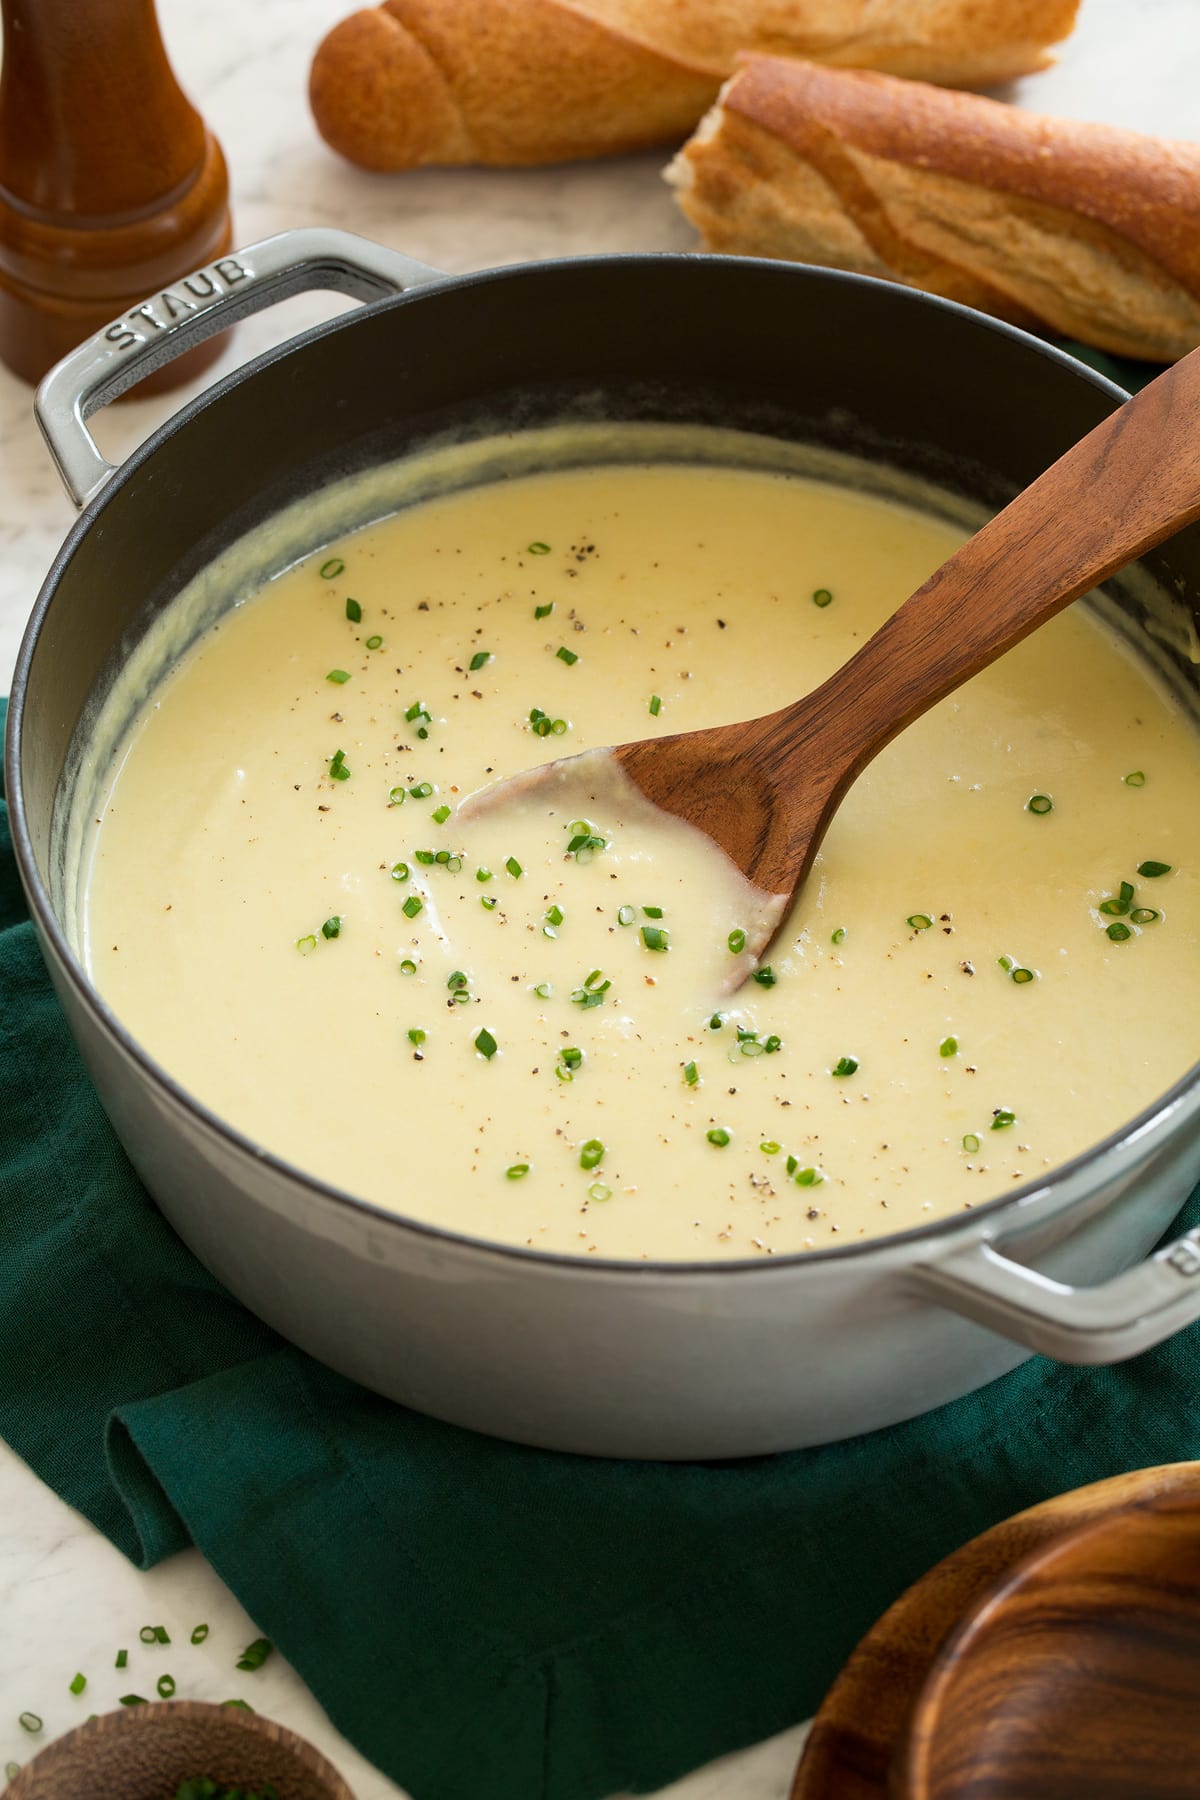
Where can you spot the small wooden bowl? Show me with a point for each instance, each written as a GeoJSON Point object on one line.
{"type": "Point", "coordinates": [856, 1748]}
{"type": "Point", "coordinates": [1079, 1674]}
{"type": "Point", "coordinates": [144, 1752]}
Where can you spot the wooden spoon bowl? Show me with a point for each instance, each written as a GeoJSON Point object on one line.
{"type": "Point", "coordinates": [1077, 1677]}
{"type": "Point", "coordinates": [144, 1752]}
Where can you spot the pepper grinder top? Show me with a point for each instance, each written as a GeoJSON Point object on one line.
{"type": "Point", "coordinates": [111, 185]}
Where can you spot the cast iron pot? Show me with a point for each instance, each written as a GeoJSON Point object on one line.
{"type": "Point", "coordinates": [617, 1359]}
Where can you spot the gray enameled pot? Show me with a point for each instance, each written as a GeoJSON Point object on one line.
{"type": "Point", "coordinates": [615, 1359]}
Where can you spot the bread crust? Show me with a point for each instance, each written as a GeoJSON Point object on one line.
{"type": "Point", "coordinates": [414, 82]}
{"type": "Point", "coordinates": [1083, 228]}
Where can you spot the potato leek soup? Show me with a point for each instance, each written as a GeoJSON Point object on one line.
{"type": "Point", "coordinates": [516, 1025]}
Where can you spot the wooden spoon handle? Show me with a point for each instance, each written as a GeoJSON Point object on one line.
{"type": "Point", "coordinates": [1129, 484]}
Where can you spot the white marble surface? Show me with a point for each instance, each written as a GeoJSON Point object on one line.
{"type": "Point", "coordinates": [67, 1599]}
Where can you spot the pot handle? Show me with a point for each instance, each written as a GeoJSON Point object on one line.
{"type": "Point", "coordinates": [1105, 1324]}
{"type": "Point", "coordinates": [194, 308]}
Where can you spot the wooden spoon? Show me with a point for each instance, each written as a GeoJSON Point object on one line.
{"type": "Point", "coordinates": [766, 789]}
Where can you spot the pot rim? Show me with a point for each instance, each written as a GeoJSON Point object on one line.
{"type": "Point", "coordinates": [1155, 1121]}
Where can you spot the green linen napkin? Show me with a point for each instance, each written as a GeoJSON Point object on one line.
{"type": "Point", "coordinates": [478, 1618]}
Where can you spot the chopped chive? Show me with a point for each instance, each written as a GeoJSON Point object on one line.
{"type": "Point", "coordinates": [337, 766]}
{"type": "Point", "coordinates": [544, 991]}
{"type": "Point", "coordinates": [822, 597]}
{"type": "Point", "coordinates": [565, 655]}
{"type": "Point", "coordinates": [771, 1044]}
{"type": "Point", "coordinates": [329, 571]}
{"type": "Point", "coordinates": [516, 1171]}
{"type": "Point", "coordinates": [133, 1700]}
{"type": "Point", "coordinates": [440, 814]}
{"type": "Point", "coordinates": [1116, 908]}
{"type": "Point", "coordinates": [426, 857]}
{"type": "Point", "coordinates": [122, 1659]}
{"type": "Point", "coordinates": [1135, 778]}
{"type": "Point", "coordinates": [626, 915]}
{"type": "Point", "coordinates": [416, 1036]}
{"type": "Point", "coordinates": [919, 921]}
{"type": "Point", "coordinates": [408, 966]}
{"type": "Point", "coordinates": [765, 976]}
{"type": "Point", "coordinates": [839, 936]}
{"type": "Point", "coordinates": [970, 1143]}
{"type": "Point", "coordinates": [412, 906]}
{"type": "Point", "coordinates": [543, 612]}
{"type": "Point", "coordinates": [354, 612]}
{"type": "Point", "coordinates": [808, 1178]}
{"type": "Point", "coordinates": [488, 902]}
{"type": "Point", "coordinates": [456, 982]}
{"type": "Point", "coordinates": [483, 873]}
{"type": "Point", "coordinates": [1151, 870]}
{"type": "Point", "coordinates": [1119, 933]}
{"type": "Point", "coordinates": [514, 868]}
{"type": "Point", "coordinates": [1040, 803]}
{"type": "Point", "coordinates": [166, 1686]}
{"type": "Point", "coordinates": [1006, 963]}
{"type": "Point", "coordinates": [29, 1721]}
{"type": "Point", "coordinates": [148, 1634]}
{"type": "Point", "coordinates": [199, 1634]}
{"type": "Point", "coordinates": [160, 1635]}
{"type": "Point", "coordinates": [1002, 1117]}
{"type": "Point", "coordinates": [242, 1705]}
{"type": "Point", "coordinates": [1144, 915]}
{"type": "Point", "coordinates": [599, 1192]}
{"type": "Point", "coordinates": [736, 941]}
{"type": "Point", "coordinates": [375, 642]}
{"type": "Point", "coordinates": [396, 796]}
{"type": "Point", "coordinates": [716, 1021]}
{"type": "Point", "coordinates": [422, 790]}
{"type": "Point", "coordinates": [718, 1136]}
{"type": "Point", "coordinates": [1022, 977]}
{"type": "Point", "coordinates": [691, 1074]}
{"type": "Point", "coordinates": [486, 1044]}
{"type": "Point", "coordinates": [537, 548]}
{"type": "Point", "coordinates": [480, 660]}
{"type": "Point", "coordinates": [948, 1047]}
{"type": "Point", "coordinates": [845, 1065]}
{"type": "Point", "coordinates": [338, 676]}
{"type": "Point", "coordinates": [655, 705]}
{"type": "Point", "coordinates": [750, 1046]}
{"type": "Point", "coordinates": [559, 727]}
{"type": "Point", "coordinates": [306, 945]}
{"type": "Point", "coordinates": [655, 938]}
{"type": "Point", "coordinates": [769, 1147]}
{"type": "Point", "coordinates": [793, 1164]}
{"type": "Point", "coordinates": [591, 1154]}
{"type": "Point", "coordinates": [332, 927]}
{"type": "Point", "coordinates": [400, 871]}
{"type": "Point", "coordinates": [78, 1684]}
{"type": "Point", "coordinates": [571, 1057]}
{"type": "Point", "coordinates": [554, 915]}
{"type": "Point", "coordinates": [653, 912]}
{"type": "Point", "coordinates": [255, 1654]}
{"type": "Point", "coordinates": [416, 711]}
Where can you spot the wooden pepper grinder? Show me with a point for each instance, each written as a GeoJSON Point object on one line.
{"type": "Point", "coordinates": [111, 186]}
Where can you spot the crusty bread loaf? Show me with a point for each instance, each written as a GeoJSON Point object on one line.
{"type": "Point", "coordinates": [532, 81]}
{"type": "Point", "coordinates": [1082, 228]}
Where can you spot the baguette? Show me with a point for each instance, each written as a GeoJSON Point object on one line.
{"type": "Point", "coordinates": [533, 81]}
{"type": "Point", "coordinates": [1082, 229]}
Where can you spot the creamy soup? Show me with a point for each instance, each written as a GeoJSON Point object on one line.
{"type": "Point", "coordinates": [516, 1025]}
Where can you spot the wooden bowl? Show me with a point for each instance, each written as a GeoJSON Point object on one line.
{"type": "Point", "coordinates": [144, 1752]}
{"type": "Point", "coordinates": [1078, 1675]}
